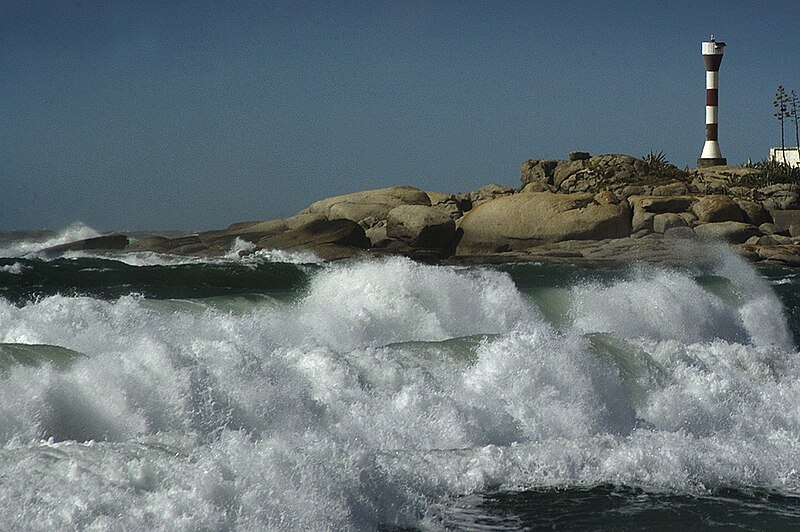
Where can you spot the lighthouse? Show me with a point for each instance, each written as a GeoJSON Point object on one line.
{"type": "Point", "coordinates": [712, 57]}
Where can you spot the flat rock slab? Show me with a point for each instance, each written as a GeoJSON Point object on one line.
{"type": "Point", "coordinates": [116, 241]}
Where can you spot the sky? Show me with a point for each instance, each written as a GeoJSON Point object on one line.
{"type": "Point", "coordinates": [146, 115]}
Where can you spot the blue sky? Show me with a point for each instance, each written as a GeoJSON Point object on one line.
{"type": "Point", "coordinates": [194, 115]}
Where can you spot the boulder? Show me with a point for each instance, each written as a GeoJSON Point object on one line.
{"type": "Point", "coordinates": [717, 208]}
{"type": "Point", "coordinates": [524, 220]}
{"type": "Point", "coordinates": [489, 192]}
{"type": "Point", "coordinates": [579, 155]}
{"type": "Point", "coordinates": [623, 174]}
{"type": "Point", "coordinates": [446, 202]}
{"type": "Point", "coordinates": [667, 220]}
{"type": "Point", "coordinates": [328, 239]}
{"type": "Point", "coordinates": [111, 242]}
{"type": "Point", "coordinates": [680, 233]}
{"type": "Point", "coordinates": [377, 235]}
{"type": "Point", "coordinates": [659, 204]}
{"type": "Point", "coordinates": [762, 241]}
{"type": "Point", "coordinates": [778, 197]}
{"type": "Point", "coordinates": [642, 221]}
{"type": "Point", "coordinates": [733, 232]}
{"type": "Point", "coordinates": [376, 203]}
{"type": "Point", "coordinates": [754, 212]}
{"type": "Point", "coordinates": [645, 209]}
{"type": "Point", "coordinates": [421, 226]}
{"type": "Point", "coordinates": [537, 171]}
{"type": "Point", "coordinates": [677, 188]}
{"type": "Point", "coordinates": [771, 229]}
{"type": "Point", "coordinates": [786, 219]}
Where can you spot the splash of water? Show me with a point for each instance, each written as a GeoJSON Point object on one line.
{"type": "Point", "coordinates": [351, 407]}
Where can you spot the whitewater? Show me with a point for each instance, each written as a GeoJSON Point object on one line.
{"type": "Point", "coordinates": [272, 391]}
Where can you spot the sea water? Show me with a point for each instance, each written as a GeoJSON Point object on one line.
{"type": "Point", "coordinates": [272, 391]}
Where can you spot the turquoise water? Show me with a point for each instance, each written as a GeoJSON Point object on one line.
{"type": "Point", "coordinates": [273, 391]}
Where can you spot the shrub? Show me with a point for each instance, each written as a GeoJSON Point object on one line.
{"type": "Point", "coordinates": [659, 166]}
{"type": "Point", "coordinates": [770, 173]}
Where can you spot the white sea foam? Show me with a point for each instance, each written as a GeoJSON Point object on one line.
{"type": "Point", "coordinates": [311, 415]}
{"type": "Point", "coordinates": [76, 231]}
{"type": "Point", "coordinates": [667, 304]}
{"type": "Point", "coordinates": [15, 268]}
{"type": "Point", "coordinates": [289, 257]}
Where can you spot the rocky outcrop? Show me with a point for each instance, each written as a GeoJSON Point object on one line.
{"type": "Point", "coordinates": [717, 209]}
{"type": "Point", "coordinates": [524, 220]}
{"type": "Point", "coordinates": [621, 174]}
{"type": "Point", "coordinates": [328, 239]}
{"type": "Point", "coordinates": [422, 227]}
{"type": "Point", "coordinates": [116, 241]}
{"type": "Point", "coordinates": [449, 203]}
{"type": "Point", "coordinates": [488, 192]}
{"type": "Point", "coordinates": [374, 204]}
{"type": "Point", "coordinates": [729, 231]}
{"type": "Point", "coordinates": [588, 207]}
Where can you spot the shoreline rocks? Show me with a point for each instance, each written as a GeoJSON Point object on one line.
{"type": "Point", "coordinates": [608, 207]}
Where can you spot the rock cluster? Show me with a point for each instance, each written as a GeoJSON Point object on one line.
{"type": "Point", "coordinates": [607, 207]}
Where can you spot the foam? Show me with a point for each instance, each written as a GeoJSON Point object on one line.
{"type": "Point", "coordinates": [76, 231]}
{"type": "Point", "coordinates": [14, 269]}
{"type": "Point", "coordinates": [308, 414]}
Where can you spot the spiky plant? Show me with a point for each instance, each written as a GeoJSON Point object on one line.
{"type": "Point", "coordinates": [770, 173]}
{"type": "Point", "coordinates": [781, 103]}
{"type": "Point", "coordinates": [793, 101]}
{"type": "Point", "coordinates": [659, 166]}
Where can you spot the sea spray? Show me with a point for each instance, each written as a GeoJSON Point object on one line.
{"type": "Point", "coordinates": [379, 393]}
{"type": "Point", "coordinates": [27, 247]}
{"type": "Point", "coordinates": [380, 302]}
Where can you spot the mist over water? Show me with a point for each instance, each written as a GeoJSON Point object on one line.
{"type": "Point", "coordinates": [357, 395]}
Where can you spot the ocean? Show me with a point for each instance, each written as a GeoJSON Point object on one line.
{"type": "Point", "coordinates": [272, 391]}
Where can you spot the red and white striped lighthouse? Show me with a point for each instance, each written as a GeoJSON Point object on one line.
{"type": "Point", "coordinates": [712, 57]}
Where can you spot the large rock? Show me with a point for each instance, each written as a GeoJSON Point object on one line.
{"type": "Point", "coordinates": [368, 203]}
{"type": "Point", "coordinates": [754, 212]}
{"type": "Point", "coordinates": [111, 242]}
{"type": "Point", "coordinates": [718, 209]}
{"type": "Point", "coordinates": [733, 232]}
{"type": "Point", "coordinates": [583, 173]}
{"type": "Point", "coordinates": [421, 226]}
{"type": "Point", "coordinates": [538, 171]}
{"type": "Point", "coordinates": [255, 231]}
{"type": "Point", "coordinates": [788, 220]}
{"type": "Point", "coordinates": [524, 220]}
{"type": "Point", "coordinates": [446, 202]}
{"type": "Point", "coordinates": [646, 208]}
{"type": "Point", "coordinates": [661, 204]}
{"type": "Point", "coordinates": [328, 239]}
{"type": "Point", "coordinates": [489, 192]}
{"type": "Point", "coordinates": [666, 221]}
{"type": "Point", "coordinates": [782, 196]}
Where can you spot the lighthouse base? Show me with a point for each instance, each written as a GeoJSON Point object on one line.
{"type": "Point", "coordinates": [703, 162]}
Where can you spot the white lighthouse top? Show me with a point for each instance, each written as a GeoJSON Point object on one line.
{"type": "Point", "coordinates": [713, 47]}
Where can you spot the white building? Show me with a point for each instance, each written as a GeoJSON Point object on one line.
{"type": "Point", "coordinates": [792, 155]}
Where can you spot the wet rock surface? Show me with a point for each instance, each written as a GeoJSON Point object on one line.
{"type": "Point", "coordinates": [606, 208]}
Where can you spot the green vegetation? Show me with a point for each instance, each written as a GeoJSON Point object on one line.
{"type": "Point", "coordinates": [781, 104]}
{"type": "Point", "coordinates": [793, 101]}
{"type": "Point", "coordinates": [658, 166]}
{"type": "Point", "coordinates": [773, 172]}
{"type": "Point", "coordinates": [770, 173]}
